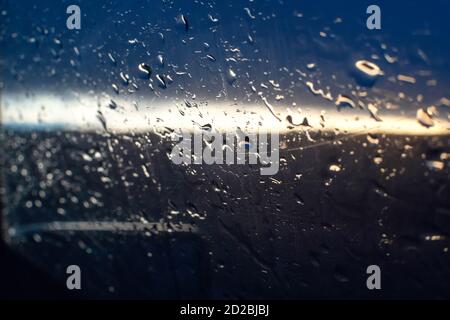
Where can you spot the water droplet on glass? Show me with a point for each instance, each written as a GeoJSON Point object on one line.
{"type": "Point", "coordinates": [102, 119]}
{"type": "Point", "coordinates": [210, 58]}
{"type": "Point", "coordinates": [115, 88]}
{"type": "Point", "coordinates": [340, 276]}
{"type": "Point", "coordinates": [160, 59]}
{"type": "Point", "coordinates": [377, 160]}
{"type": "Point", "coordinates": [372, 139]}
{"type": "Point", "coordinates": [161, 81]}
{"type": "Point", "coordinates": [424, 118]}
{"type": "Point", "coordinates": [368, 68]}
{"type": "Point", "coordinates": [110, 56]}
{"type": "Point", "coordinates": [206, 127]}
{"type": "Point", "coordinates": [335, 168]}
{"type": "Point", "coordinates": [125, 78]}
{"type": "Point", "coordinates": [366, 73]}
{"type": "Point", "coordinates": [190, 104]}
{"type": "Point", "coordinates": [212, 19]}
{"type": "Point", "coordinates": [112, 105]}
{"type": "Point", "coordinates": [249, 13]}
{"type": "Point", "coordinates": [269, 106]}
{"type": "Point", "coordinates": [373, 111]}
{"type": "Point", "coordinates": [435, 165]}
{"type": "Point", "coordinates": [146, 69]}
{"type": "Point", "coordinates": [344, 101]}
{"type": "Point", "coordinates": [231, 76]}
{"type": "Point", "coordinates": [185, 22]}
{"type": "Point", "coordinates": [318, 92]}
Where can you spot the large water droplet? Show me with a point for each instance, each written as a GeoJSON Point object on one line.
{"type": "Point", "coordinates": [373, 111]}
{"type": "Point", "coordinates": [366, 73]}
{"type": "Point", "coordinates": [368, 68]}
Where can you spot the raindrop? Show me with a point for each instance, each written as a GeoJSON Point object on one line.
{"type": "Point", "coordinates": [317, 92]}
{"type": "Point", "coordinates": [290, 119]}
{"type": "Point", "coordinates": [185, 22]}
{"type": "Point", "coordinates": [377, 160]}
{"type": "Point", "coordinates": [424, 118]}
{"type": "Point", "coordinates": [210, 57]}
{"type": "Point", "coordinates": [86, 157]}
{"type": "Point", "coordinates": [125, 78]}
{"type": "Point", "coordinates": [269, 106]}
{"type": "Point", "coordinates": [231, 76]}
{"type": "Point", "coordinates": [407, 79]}
{"type": "Point", "coordinates": [374, 112]}
{"type": "Point", "coordinates": [160, 59]}
{"type": "Point", "coordinates": [340, 276]}
{"type": "Point", "coordinates": [249, 14]}
{"type": "Point", "coordinates": [366, 73]}
{"type": "Point", "coordinates": [274, 83]}
{"type": "Point", "coordinates": [102, 119]}
{"type": "Point", "coordinates": [368, 68]}
{"type": "Point", "coordinates": [146, 173]}
{"type": "Point", "coordinates": [212, 19]}
{"type": "Point", "coordinates": [111, 58]}
{"type": "Point", "coordinates": [37, 238]}
{"type": "Point", "coordinates": [145, 68]}
{"type": "Point", "coordinates": [206, 127]}
{"type": "Point", "coordinates": [299, 199]}
{"type": "Point", "coordinates": [112, 105]}
{"type": "Point", "coordinates": [335, 168]}
{"type": "Point", "coordinates": [115, 88]}
{"type": "Point", "coordinates": [190, 104]}
{"type": "Point", "coordinates": [344, 101]}
{"type": "Point", "coordinates": [435, 165]}
{"type": "Point", "coordinates": [432, 111]}
{"type": "Point", "coordinates": [161, 81]}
